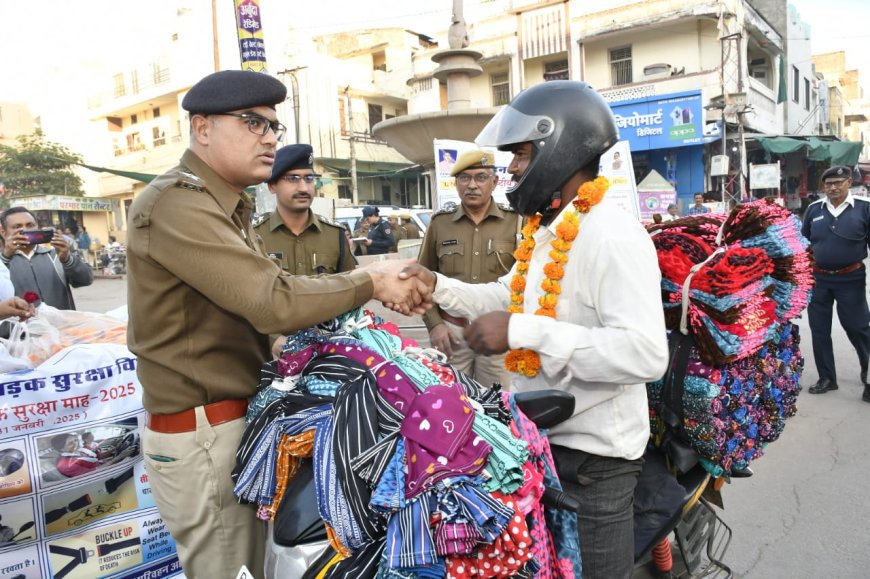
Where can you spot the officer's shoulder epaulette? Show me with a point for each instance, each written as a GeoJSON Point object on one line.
{"type": "Point", "coordinates": [446, 210]}
{"type": "Point", "coordinates": [859, 198]}
{"type": "Point", "coordinates": [506, 207]}
{"type": "Point", "coordinates": [328, 221]}
{"type": "Point", "coordinates": [261, 219]}
{"type": "Point", "coordinates": [816, 202]}
{"type": "Point", "coordinates": [187, 180]}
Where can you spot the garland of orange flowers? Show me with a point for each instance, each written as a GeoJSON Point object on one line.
{"type": "Point", "coordinates": [524, 361]}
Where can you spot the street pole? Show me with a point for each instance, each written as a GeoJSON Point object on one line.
{"type": "Point", "coordinates": [351, 142]}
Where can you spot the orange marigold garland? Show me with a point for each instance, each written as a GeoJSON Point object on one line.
{"type": "Point", "coordinates": [524, 361]}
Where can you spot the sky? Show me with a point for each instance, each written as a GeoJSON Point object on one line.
{"type": "Point", "coordinates": [53, 50]}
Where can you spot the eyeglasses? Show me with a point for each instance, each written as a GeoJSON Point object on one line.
{"type": "Point", "coordinates": [296, 179]}
{"type": "Point", "coordinates": [258, 124]}
{"type": "Point", "coordinates": [479, 178]}
{"type": "Point", "coordinates": [836, 183]}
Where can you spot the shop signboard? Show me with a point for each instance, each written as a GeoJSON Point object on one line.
{"type": "Point", "coordinates": [64, 203]}
{"type": "Point", "coordinates": [661, 122]}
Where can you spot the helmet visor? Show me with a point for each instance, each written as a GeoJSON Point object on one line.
{"type": "Point", "coordinates": [509, 127]}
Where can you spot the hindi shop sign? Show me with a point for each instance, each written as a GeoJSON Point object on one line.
{"type": "Point", "coordinates": [63, 203]}
{"type": "Point", "coordinates": [252, 48]}
{"type": "Point", "coordinates": [661, 122]}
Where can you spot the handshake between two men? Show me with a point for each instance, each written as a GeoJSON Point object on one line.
{"type": "Point", "coordinates": [406, 287]}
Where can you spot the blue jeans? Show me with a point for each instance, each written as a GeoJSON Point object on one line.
{"type": "Point", "coordinates": [604, 486]}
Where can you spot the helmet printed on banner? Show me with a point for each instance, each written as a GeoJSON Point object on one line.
{"type": "Point", "coordinates": [568, 125]}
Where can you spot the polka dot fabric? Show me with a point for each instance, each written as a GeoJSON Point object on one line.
{"type": "Point", "coordinates": [504, 557]}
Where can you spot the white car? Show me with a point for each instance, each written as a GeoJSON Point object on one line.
{"type": "Point", "coordinates": [350, 216]}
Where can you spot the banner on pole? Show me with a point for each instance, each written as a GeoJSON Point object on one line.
{"type": "Point", "coordinates": [252, 49]}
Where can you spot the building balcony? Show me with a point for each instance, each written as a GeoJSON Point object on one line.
{"type": "Point", "coordinates": [131, 90]}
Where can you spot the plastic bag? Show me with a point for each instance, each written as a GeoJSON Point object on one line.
{"type": "Point", "coordinates": [9, 363]}
{"type": "Point", "coordinates": [51, 330]}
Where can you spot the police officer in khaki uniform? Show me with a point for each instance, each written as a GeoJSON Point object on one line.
{"type": "Point", "coordinates": [303, 242]}
{"type": "Point", "coordinates": [473, 242]}
{"type": "Point", "coordinates": [203, 297]}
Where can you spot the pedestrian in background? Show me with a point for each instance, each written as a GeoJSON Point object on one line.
{"type": "Point", "coordinates": [838, 227]}
{"type": "Point", "coordinates": [473, 242]}
{"type": "Point", "coordinates": [50, 272]}
{"type": "Point", "coordinates": [203, 297]}
{"type": "Point", "coordinates": [698, 208]}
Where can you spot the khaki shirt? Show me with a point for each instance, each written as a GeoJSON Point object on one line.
{"type": "Point", "coordinates": [202, 294]}
{"type": "Point", "coordinates": [314, 251]}
{"type": "Point", "coordinates": [474, 253]}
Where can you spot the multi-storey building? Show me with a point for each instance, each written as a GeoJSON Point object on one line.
{"type": "Point", "coordinates": [711, 59]}
{"type": "Point", "coordinates": [849, 114]}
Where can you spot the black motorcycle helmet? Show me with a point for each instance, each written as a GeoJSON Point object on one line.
{"type": "Point", "coordinates": [568, 125]}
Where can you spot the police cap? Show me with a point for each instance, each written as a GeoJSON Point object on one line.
{"type": "Point", "coordinates": [838, 172]}
{"type": "Point", "coordinates": [233, 90]}
{"type": "Point", "coordinates": [370, 210]}
{"type": "Point", "coordinates": [473, 159]}
{"type": "Point", "coordinates": [291, 157]}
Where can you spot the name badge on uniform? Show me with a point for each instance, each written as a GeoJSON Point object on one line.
{"type": "Point", "coordinates": [820, 217]}
{"type": "Point", "coordinates": [275, 254]}
{"type": "Point", "coordinates": [450, 242]}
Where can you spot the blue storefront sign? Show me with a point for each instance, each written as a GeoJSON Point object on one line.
{"type": "Point", "coordinates": [661, 122]}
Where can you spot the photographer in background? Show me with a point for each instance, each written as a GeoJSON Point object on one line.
{"type": "Point", "coordinates": [50, 272]}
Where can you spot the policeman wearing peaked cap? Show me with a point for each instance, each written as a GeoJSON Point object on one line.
{"type": "Point", "coordinates": [303, 242]}
{"type": "Point", "coordinates": [203, 299]}
{"type": "Point", "coordinates": [473, 242]}
{"type": "Point", "coordinates": [838, 228]}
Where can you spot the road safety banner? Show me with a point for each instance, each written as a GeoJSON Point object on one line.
{"type": "Point", "coordinates": [252, 48]}
{"type": "Point", "coordinates": [74, 495]}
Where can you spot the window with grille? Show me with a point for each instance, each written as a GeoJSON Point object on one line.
{"type": "Point", "coordinates": [557, 70]}
{"type": "Point", "coordinates": [501, 89]}
{"type": "Point", "coordinates": [620, 66]}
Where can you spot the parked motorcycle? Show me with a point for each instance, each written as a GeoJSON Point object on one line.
{"type": "Point", "coordinates": [298, 545]}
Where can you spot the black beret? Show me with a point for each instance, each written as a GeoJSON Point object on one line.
{"type": "Point", "coordinates": [233, 90]}
{"type": "Point", "coordinates": [292, 157]}
{"type": "Point", "coordinates": [370, 210]}
{"type": "Point", "coordinates": [837, 171]}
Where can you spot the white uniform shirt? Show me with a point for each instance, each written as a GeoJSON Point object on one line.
{"type": "Point", "coordinates": [609, 336]}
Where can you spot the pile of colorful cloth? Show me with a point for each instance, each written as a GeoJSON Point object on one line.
{"type": "Point", "coordinates": [419, 471]}
{"type": "Point", "coordinates": [730, 284]}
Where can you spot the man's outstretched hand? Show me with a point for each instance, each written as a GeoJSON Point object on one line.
{"type": "Point", "coordinates": [401, 285]}
{"type": "Point", "coordinates": [488, 334]}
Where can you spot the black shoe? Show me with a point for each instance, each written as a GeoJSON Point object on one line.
{"type": "Point", "coordinates": [866, 396]}
{"type": "Point", "coordinates": [822, 386]}
{"type": "Point", "coordinates": [744, 472]}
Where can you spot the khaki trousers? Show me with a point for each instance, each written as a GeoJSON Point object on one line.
{"type": "Point", "coordinates": [484, 369]}
{"type": "Point", "coordinates": [214, 534]}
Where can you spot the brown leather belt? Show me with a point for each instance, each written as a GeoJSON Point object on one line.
{"type": "Point", "coordinates": [461, 322]}
{"type": "Point", "coordinates": [842, 271]}
{"type": "Point", "coordinates": [185, 421]}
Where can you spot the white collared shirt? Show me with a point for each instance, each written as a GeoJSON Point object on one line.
{"type": "Point", "coordinates": [836, 211]}
{"type": "Point", "coordinates": [609, 336]}
{"type": "Point", "coordinates": [7, 290]}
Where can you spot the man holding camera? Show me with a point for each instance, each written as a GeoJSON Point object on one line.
{"type": "Point", "coordinates": [50, 272]}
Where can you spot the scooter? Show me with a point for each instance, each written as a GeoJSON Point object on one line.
{"type": "Point", "coordinates": [298, 545]}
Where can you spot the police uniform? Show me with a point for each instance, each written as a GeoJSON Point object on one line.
{"type": "Point", "coordinates": [202, 296]}
{"type": "Point", "coordinates": [381, 233]}
{"type": "Point", "coordinates": [322, 246]}
{"type": "Point", "coordinates": [457, 247]}
{"type": "Point", "coordinates": [839, 239]}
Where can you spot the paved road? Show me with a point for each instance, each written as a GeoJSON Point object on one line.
{"type": "Point", "coordinates": [805, 512]}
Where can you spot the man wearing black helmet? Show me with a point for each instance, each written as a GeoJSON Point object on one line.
{"type": "Point", "coordinates": [581, 311]}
